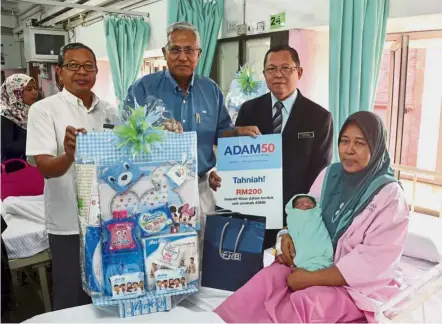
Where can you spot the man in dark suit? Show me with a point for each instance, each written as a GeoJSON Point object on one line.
{"type": "Point", "coordinates": [306, 127]}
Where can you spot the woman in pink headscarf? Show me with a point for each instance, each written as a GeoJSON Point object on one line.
{"type": "Point", "coordinates": [366, 215]}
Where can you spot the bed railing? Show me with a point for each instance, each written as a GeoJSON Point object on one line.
{"type": "Point", "coordinates": [400, 308]}
{"type": "Point", "coordinates": [415, 174]}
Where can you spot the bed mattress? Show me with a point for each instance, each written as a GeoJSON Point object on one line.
{"type": "Point", "coordinates": [412, 269]}
{"type": "Point", "coordinates": [430, 311]}
{"type": "Point", "coordinates": [26, 233]}
{"type": "Point", "coordinates": [91, 314]}
{"type": "Point", "coordinates": [198, 308]}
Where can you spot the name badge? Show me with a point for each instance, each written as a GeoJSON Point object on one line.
{"type": "Point", "coordinates": [304, 135]}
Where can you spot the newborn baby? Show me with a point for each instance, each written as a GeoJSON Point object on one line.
{"type": "Point", "coordinates": [314, 250]}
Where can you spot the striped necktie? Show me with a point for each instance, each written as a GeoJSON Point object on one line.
{"type": "Point", "coordinates": [277, 118]}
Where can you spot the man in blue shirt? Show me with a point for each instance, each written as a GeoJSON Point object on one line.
{"type": "Point", "coordinates": [194, 101]}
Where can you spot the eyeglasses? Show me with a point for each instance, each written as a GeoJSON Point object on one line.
{"type": "Point", "coordinates": [188, 51]}
{"type": "Point", "coordinates": [76, 67]}
{"type": "Point", "coordinates": [285, 70]}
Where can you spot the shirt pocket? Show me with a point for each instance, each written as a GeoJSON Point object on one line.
{"type": "Point", "coordinates": [207, 128]}
{"type": "Point", "coordinates": [305, 141]}
{"type": "Point", "coordinates": [208, 118]}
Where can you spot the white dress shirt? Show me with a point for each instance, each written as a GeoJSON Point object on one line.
{"type": "Point", "coordinates": [46, 129]}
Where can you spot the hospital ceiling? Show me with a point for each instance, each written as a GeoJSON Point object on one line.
{"type": "Point", "coordinates": [60, 16]}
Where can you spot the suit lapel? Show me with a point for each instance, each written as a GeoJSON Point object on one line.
{"type": "Point", "coordinates": [267, 127]}
{"type": "Point", "coordinates": [295, 118]}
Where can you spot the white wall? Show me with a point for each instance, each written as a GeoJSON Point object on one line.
{"type": "Point", "coordinates": [311, 13]}
{"type": "Point", "coordinates": [93, 35]}
{"type": "Point", "coordinates": [8, 21]}
{"type": "Point", "coordinates": [431, 110]}
{"type": "Point", "coordinates": [11, 49]}
{"type": "Point", "coordinates": [410, 8]}
{"type": "Point", "coordinates": [313, 50]}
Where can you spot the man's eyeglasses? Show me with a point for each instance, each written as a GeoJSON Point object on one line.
{"type": "Point", "coordinates": [75, 67]}
{"type": "Point", "coordinates": [189, 51]}
{"type": "Point", "coordinates": [285, 70]}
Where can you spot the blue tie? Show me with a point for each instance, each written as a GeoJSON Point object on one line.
{"type": "Point", "coordinates": [277, 118]}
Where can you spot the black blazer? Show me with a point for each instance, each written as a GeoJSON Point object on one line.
{"type": "Point", "coordinates": [303, 156]}
{"type": "Point", "coordinates": [13, 140]}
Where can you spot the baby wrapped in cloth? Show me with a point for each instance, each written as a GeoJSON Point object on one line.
{"type": "Point", "coordinates": [314, 250]}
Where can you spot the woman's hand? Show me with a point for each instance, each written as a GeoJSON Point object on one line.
{"type": "Point", "coordinates": [172, 125]}
{"type": "Point", "coordinates": [299, 279]}
{"type": "Point", "coordinates": [288, 251]}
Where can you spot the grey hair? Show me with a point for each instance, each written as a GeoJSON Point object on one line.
{"type": "Point", "coordinates": [183, 26]}
{"type": "Point", "coordinates": [73, 46]}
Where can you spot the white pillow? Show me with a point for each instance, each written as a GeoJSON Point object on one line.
{"type": "Point", "coordinates": [424, 239]}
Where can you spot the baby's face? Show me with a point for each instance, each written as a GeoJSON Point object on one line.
{"type": "Point", "coordinates": [304, 203]}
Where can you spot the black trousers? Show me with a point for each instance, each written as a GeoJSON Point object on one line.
{"type": "Point", "coordinates": [66, 273]}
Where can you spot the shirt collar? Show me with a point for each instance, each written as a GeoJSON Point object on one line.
{"type": "Point", "coordinates": [78, 102]}
{"type": "Point", "coordinates": [175, 84]}
{"type": "Point", "coordinates": [287, 102]}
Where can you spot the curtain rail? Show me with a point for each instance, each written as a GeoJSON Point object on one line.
{"type": "Point", "coordinates": [85, 7]}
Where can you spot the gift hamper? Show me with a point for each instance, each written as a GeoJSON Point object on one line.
{"type": "Point", "coordinates": [137, 194]}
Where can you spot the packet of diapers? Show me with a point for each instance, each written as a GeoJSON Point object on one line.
{"type": "Point", "coordinates": [127, 285]}
{"type": "Point", "coordinates": [172, 252]}
{"type": "Point", "coordinates": [124, 275]}
{"type": "Point", "coordinates": [168, 280]}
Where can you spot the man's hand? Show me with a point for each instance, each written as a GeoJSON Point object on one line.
{"type": "Point", "coordinates": [172, 125]}
{"type": "Point", "coordinates": [252, 131]}
{"type": "Point", "coordinates": [288, 251]}
{"type": "Point", "coordinates": [70, 141]}
{"type": "Point", "coordinates": [299, 279]}
{"type": "Point", "coordinates": [214, 180]}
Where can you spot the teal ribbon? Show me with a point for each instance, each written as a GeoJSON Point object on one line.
{"type": "Point", "coordinates": [137, 134]}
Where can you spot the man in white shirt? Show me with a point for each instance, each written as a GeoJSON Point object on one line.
{"type": "Point", "coordinates": [53, 125]}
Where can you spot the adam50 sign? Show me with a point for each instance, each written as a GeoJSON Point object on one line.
{"type": "Point", "coordinates": [249, 149]}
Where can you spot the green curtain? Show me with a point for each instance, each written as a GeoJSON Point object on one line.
{"type": "Point", "coordinates": [126, 41]}
{"type": "Point", "coordinates": [207, 16]}
{"type": "Point", "coordinates": [357, 35]}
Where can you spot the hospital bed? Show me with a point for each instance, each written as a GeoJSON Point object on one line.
{"type": "Point", "coordinates": [27, 242]}
{"type": "Point", "coordinates": [423, 297]}
{"type": "Point", "coordinates": [198, 308]}
{"type": "Point", "coordinates": [421, 302]}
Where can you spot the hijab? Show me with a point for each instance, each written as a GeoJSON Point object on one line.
{"type": "Point", "coordinates": [12, 105]}
{"type": "Point", "coordinates": [345, 195]}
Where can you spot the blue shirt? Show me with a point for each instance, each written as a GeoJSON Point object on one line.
{"type": "Point", "coordinates": [288, 104]}
{"type": "Point", "coordinates": [201, 110]}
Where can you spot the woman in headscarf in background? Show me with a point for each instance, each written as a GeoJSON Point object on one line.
{"type": "Point", "coordinates": [19, 92]}
{"type": "Point", "coordinates": [366, 215]}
